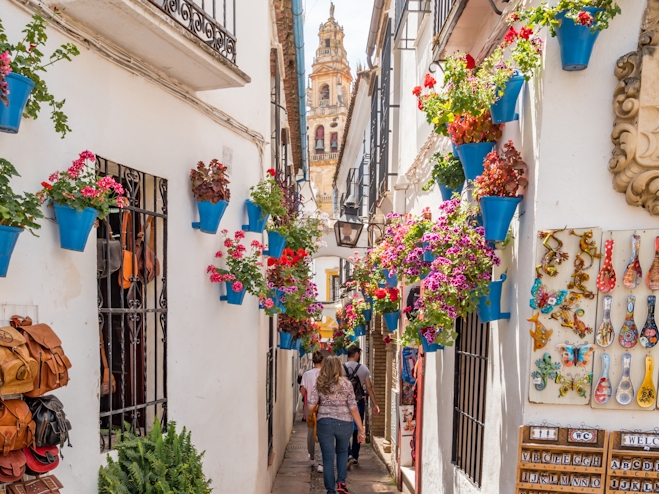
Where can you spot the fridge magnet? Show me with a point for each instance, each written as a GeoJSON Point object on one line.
{"type": "Point", "coordinates": [652, 278]}
{"type": "Point", "coordinates": [540, 334]}
{"type": "Point", "coordinates": [648, 336]}
{"type": "Point", "coordinates": [546, 370]}
{"type": "Point", "coordinates": [568, 314]}
{"type": "Point", "coordinates": [606, 279]}
{"type": "Point", "coordinates": [554, 255]}
{"type": "Point", "coordinates": [569, 383]}
{"type": "Point", "coordinates": [583, 261]}
{"type": "Point", "coordinates": [543, 300]}
{"type": "Point", "coordinates": [628, 336]}
{"type": "Point", "coordinates": [633, 274]}
{"type": "Point", "coordinates": [605, 331]}
{"type": "Point", "coordinates": [576, 355]}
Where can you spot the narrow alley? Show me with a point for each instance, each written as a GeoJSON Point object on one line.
{"type": "Point", "coordinates": [295, 476]}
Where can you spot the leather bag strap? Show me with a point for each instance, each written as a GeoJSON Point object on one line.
{"type": "Point", "coordinates": [151, 226]}
{"type": "Point", "coordinates": [104, 360]}
{"type": "Point", "coordinates": [19, 321]}
{"type": "Point", "coordinates": [126, 228]}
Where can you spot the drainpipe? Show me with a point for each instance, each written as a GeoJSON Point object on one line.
{"type": "Point", "coordinates": [373, 31]}
{"type": "Point", "coordinates": [298, 35]}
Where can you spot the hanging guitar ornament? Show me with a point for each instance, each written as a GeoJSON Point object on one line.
{"type": "Point", "coordinates": [546, 369]}
{"type": "Point", "coordinates": [543, 300]}
{"type": "Point", "coordinates": [605, 331]}
{"type": "Point", "coordinates": [540, 334]}
{"type": "Point", "coordinates": [625, 389]}
{"type": "Point", "coordinates": [633, 274]}
{"type": "Point", "coordinates": [653, 275]}
{"type": "Point", "coordinates": [603, 390]}
{"type": "Point", "coordinates": [606, 279]}
{"type": "Point", "coordinates": [647, 395]}
{"type": "Point", "coordinates": [628, 336]}
{"type": "Point", "coordinates": [554, 255]}
{"type": "Point", "coordinates": [649, 332]}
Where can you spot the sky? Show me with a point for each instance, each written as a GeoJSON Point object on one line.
{"type": "Point", "coordinates": [355, 18]}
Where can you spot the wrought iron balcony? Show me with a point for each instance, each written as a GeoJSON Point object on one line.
{"type": "Point", "coordinates": [212, 21]}
{"type": "Point", "coordinates": [407, 25]}
{"type": "Point", "coordinates": [324, 156]}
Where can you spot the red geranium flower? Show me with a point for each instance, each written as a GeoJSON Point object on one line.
{"type": "Point", "coordinates": [510, 36]}
{"type": "Point", "coordinates": [416, 91]}
{"type": "Point", "coordinates": [420, 105]}
{"type": "Point", "coordinates": [471, 63]}
{"type": "Point", "coordinates": [429, 81]}
{"type": "Point", "coordinates": [585, 18]}
{"type": "Point", "coordinates": [46, 185]}
{"type": "Point", "coordinates": [271, 172]}
{"type": "Point", "coordinates": [525, 32]}
{"type": "Point", "coordinates": [380, 293]}
{"type": "Point", "coordinates": [272, 261]}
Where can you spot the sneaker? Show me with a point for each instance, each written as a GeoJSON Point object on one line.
{"type": "Point", "coordinates": [341, 488]}
{"type": "Point", "coordinates": [319, 469]}
{"type": "Point", "coordinates": [355, 463]}
{"type": "Point", "coordinates": [351, 462]}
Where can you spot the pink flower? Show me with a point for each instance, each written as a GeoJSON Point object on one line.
{"type": "Point", "coordinates": [224, 231]}
{"type": "Point", "coordinates": [87, 155]}
{"type": "Point", "coordinates": [90, 192]}
{"type": "Point", "coordinates": [53, 177]}
{"type": "Point", "coordinates": [239, 235]}
{"type": "Point", "coordinates": [237, 286]}
{"type": "Point", "coordinates": [237, 254]}
{"type": "Point", "coordinates": [268, 303]}
{"type": "Point", "coordinates": [122, 202]}
{"type": "Point", "coordinates": [210, 269]}
{"type": "Point", "coordinates": [228, 243]}
{"type": "Point", "coordinates": [216, 278]}
{"type": "Point", "coordinates": [585, 18]}
{"type": "Point", "coordinates": [219, 254]}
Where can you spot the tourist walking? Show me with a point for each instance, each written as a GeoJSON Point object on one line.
{"type": "Point", "coordinates": [307, 384]}
{"type": "Point", "coordinates": [360, 378]}
{"type": "Point", "coordinates": [337, 409]}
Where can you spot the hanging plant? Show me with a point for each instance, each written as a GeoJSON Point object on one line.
{"type": "Point", "coordinates": [354, 312]}
{"type": "Point", "coordinates": [17, 210]}
{"type": "Point", "coordinates": [386, 300]}
{"type": "Point", "coordinates": [468, 129]}
{"type": "Point", "coordinates": [576, 10]}
{"type": "Point", "coordinates": [269, 195]}
{"type": "Point", "coordinates": [210, 183]}
{"type": "Point", "coordinates": [447, 171]}
{"type": "Point", "coordinates": [503, 174]}
{"type": "Point", "coordinates": [243, 271]}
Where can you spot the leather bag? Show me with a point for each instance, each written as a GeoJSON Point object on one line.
{"type": "Point", "coordinates": [41, 460]}
{"type": "Point", "coordinates": [46, 348]}
{"type": "Point", "coordinates": [12, 466]}
{"type": "Point", "coordinates": [16, 426]}
{"type": "Point", "coordinates": [129, 264]}
{"type": "Point", "coordinates": [51, 425]}
{"type": "Point", "coordinates": [43, 485]}
{"type": "Point", "coordinates": [17, 368]}
{"type": "Point", "coordinates": [312, 421]}
{"type": "Point", "coordinates": [107, 379]}
{"type": "Point", "coordinates": [108, 255]}
{"type": "Point", "coordinates": [146, 253]}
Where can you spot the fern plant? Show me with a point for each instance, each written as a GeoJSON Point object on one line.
{"type": "Point", "coordinates": [155, 464]}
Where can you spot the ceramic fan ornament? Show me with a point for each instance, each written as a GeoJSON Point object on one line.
{"type": "Point", "coordinates": [647, 394]}
{"type": "Point", "coordinates": [652, 278]}
{"type": "Point", "coordinates": [606, 279]}
{"type": "Point", "coordinates": [605, 331]}
{"type": "Point", "coordinates": [633, 274]}
{"type": "Point", "coordinates": [603, 390]}
{"type": "Point", "coordinates": [625, 389]}
{"type": "Point", "coordinates": [628, 336]}
{"type": "Point", "coordinates": [649, 332]}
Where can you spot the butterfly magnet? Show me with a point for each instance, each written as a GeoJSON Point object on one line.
{"type": "Point", "coordinates": [569, 383]}
{"type": "Point", "coordinates": [576, 355]}
{"type": "Point", "coordinates": [544, 300]}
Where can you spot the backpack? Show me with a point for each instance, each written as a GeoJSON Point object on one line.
{"type": "Point", "coordinates": [355, 381]}
{"type": "Point", "coordinates": [18, 369]}
{"type": "Point", "coordinates": [16, 426]}
{"type": "Point", "coordinates": [52, 426]}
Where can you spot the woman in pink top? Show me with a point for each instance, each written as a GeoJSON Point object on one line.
{"type": "Point", "coordinates": [336, 412]}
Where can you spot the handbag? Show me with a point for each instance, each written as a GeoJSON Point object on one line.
{"type": "Point", "coordinates": [312, 421]}
{"type": "Point", "coordinates": [129, 264]}
{"type": "Point", "coordinates": [51, 425]}
{"type": "Point", "coordinates": [42, 485]}
{"type": "Point", "coordinates": [146, 253]}
{"type": "Point", "coordinates": [41, 460]}
{"type": "Point", "coordinates": [12, 466]}
{"type": "Point", "coordinates": [18, 370]}
{"type": "Point", "coordinates": [16, 426]}
{"type": "Point", "coordinates": [108, 377]}
{"type": "Point", "coordinates": [108, 255]}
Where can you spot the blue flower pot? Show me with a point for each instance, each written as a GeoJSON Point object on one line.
{"type": "Point", "coordinates": [285, 340]}
{"type": "Point", "coordinates": [369, 301]}
{"type": "Point", "coordinates": [341, 351]}
{"type": "Point", "coordinates": [360, 330]}
{"type": "Point", "coordinates": [20, 88]}
{"type": "Point", "coordinates": [429, 347]}
{"type": "Point", "coordinates": [368, 314]}
{"type": "Point", "coordinates": [302, 352]}
{"type": "Point", "coordinates": [492, 312]}
{"type": "Point", "coordinates": [352, 337]}
{"type": "Point", "coordinates": [427, 255]}
{"type": "Point", "coordinates": [497, 214]}
{"type": "Point", "coordinates": [576, 41]}
{"type": "Point", "coordinates": [255, 223]}
{"type": "Point", "coordinates": [391, 320]}
{"type": "Point", "coordinates": [276, 295]}
{"type": "Point", "coordinates": [209, 216]}
{"type": "Point", "coordinates": [297, 344]}
{"type": "Point", "coordinates": [391, 279]}
{"type": "Point", "coordinates": [276, 245]}
{"type": "Point", "coordinates": [74, 226]}
{"type": "Point", "coordinates": [447, 193]}
{"type": "Point", "coordinates": [472, 156]}
{"type": "Point", "coordinates": [8, 238]}
{"type": "Point", "coordinates": [504, 109]}
{"type": "Point", "coordinates": [233, 297]}
{"type": "Point", "coordinates": [454, 148]}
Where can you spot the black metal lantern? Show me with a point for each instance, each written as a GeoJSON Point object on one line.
{"type": "Point", "coordinates": [348, 227]}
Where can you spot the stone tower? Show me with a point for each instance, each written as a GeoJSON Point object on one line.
{"type": "Point", "coordinates": [328, 98]}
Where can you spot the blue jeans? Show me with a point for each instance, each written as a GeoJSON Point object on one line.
{"type": "Point", "coordinates": [334, 437]}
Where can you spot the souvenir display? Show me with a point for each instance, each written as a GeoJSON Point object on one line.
{"type": "Point", "coordinates": [546, 370]}
{"type": "Point", "coordinates": [573, 460]}
{"type": "Point", "coordinates": [540, 334]}
{"type": "Point", "coordinates": [544, 300]}
{"type": "Point", "coordinates": [625, 389]}
{"type": "Point", "coordinates": [628, 336]}
{"type": "Point", "coordinates": [647, 394]}
{"type": "Point", "coordinates": [652, 278]}
{"type": "Point", "coordinates": [603, 390]}
{"type": "Point", "coordinates": [554, 255]}
{"type": "Point", "coordinates": [606, 279]}
{"type": "Point", "coordinates": [605, 331]}
{"type": "Point", "coordinates": [648, 337]}
{"type": "Point", "coordinates": [633, 274]}
{"type": "Point", "coordinates": [632, 465]}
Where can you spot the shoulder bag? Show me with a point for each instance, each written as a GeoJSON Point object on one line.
{"type": "Point", "coordinates": [41, 485]}
{"type": "Point", "coordinates": [16, 426]}
{"type": "Point", "coordinates": [12, 466]}
{"type": "Point", "coordinates": [108, 254]}
{"type": "Point", "coordinates": [108, 378]}
{"type": "Point", "coordinates": [129, 264]}
{"type": "Point", "coordinates": [41, 460]}
{"type": "Point", "coordinates": [148, 264]}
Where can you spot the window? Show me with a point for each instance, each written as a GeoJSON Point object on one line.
{"type": "Point", "coordinates": [132, 310]}
{"type": "Point", "coordinates": [327, 42]}
{"type": "Point", "coordinates": [320, 140]}
{"type": "Point", "coordinates": [442, 10]}
{"type": "Point", "coordinates": [335, 286]}
{"type": "Point", "coordinates": [471, 360]}
{"type": "Point", "coordinates": [324, 92]}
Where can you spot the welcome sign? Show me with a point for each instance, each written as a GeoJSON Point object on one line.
{"type": "Point", "coordinates": [637, 440]}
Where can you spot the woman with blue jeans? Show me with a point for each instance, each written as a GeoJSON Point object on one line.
{"type": "Point", "coordinates": [337, 409]}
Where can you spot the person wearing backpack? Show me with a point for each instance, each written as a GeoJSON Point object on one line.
{"type": "Point", "coordinates": [307, 384]}
{"type": "Point", "coordinates": [360, 378]}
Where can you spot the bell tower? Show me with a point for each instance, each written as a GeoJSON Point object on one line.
{"type": "Point", "coordinates": [328, 96]}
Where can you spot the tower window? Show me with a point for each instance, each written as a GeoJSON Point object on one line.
{"type": "Point", "coordinates": [324, 92]}
{"type": "Point", "coordinates": [320, 140]}
{"type": "Point", "coordinates": [327, 42]}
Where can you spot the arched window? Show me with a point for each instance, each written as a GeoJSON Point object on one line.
{"type": "Point", "coordinates": [320, 140]}
{"type": "Point", "coordinates": [324, 92]}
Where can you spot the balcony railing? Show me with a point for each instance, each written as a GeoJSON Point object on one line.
{"type": "Point", "coordinates": [324, 156]}
{"type": "Point", "coordinates": [211, 21]}
{"type": "Point", "coordinates": [407, 25]}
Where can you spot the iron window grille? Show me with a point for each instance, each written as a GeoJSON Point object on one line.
{"type": "Point", "coordinates": [471, 361]}
{"type": "Point", "coordinates": [269, 386]}
{"type": "Point", "coordinates": [132, 315]}
{"type": "Point", "coordinates": [385, 106]}
{"type": "Point", "coordinates": [374, 146]}
{"type": "Point", "coordinates": [407, 25]}
{"type": "Point", "coordinates": [442, 11]}
{"type": "Point", "coordinates": [211, 21]}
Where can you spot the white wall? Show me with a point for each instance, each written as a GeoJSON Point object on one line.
{"type": "Point", "coordinates": [216, 352]}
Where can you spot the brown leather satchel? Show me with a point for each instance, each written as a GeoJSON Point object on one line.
{"type": "Point", "coordinates": [108, 377]}
{"type": "Point", "coordinates": [129, 265]}
{"type": "Point", "coordinates": [146, 253]}
{"type": "Point", "coordinates": [16, 426]}
{"type": "Point", "coordinates": [17, 368]}
{"type": "Point", "coordinates": [41, 485]}
{"type": "Point", "coordinates": [12, 466]}
{"type": "Point", "coordinates": [46, 348]}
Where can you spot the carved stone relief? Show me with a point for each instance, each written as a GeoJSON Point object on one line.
{"type": "Point", "coordinates": [635, 160]}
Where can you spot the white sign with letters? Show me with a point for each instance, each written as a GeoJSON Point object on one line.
{"type": "Point", "coordinates": [544, 433]}
{"type": "Point", "coordinates": [636, 440]}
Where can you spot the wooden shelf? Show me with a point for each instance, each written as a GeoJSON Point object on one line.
{"type": "Point", "coordinates": [553, 467]}
{"type": "Point", "coordinates": [556, 488]}
{"type": "Point", "coordinates": [634, 474]}
{"type": "Point", "coordinates": [641, 475]}
{"type": "Point", "coordinates": [554, 447]}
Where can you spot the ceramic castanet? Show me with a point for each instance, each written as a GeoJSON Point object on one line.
{"type": "Point", "coordinates": [629, 333]}
{"type": "Point", "coordinates": [606, 279]}
{"type": "Point", "coordinates": [605, 331]}
{"type": "Point", "coordinates": [625, 389]}
{"type": "Point", "coordinates": [633, 274]}
{"type": "Point", "coordinates": [649, 332]}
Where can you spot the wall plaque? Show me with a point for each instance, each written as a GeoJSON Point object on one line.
{"type": "Point", "coordinates": [582, 436]}
{"type": "Point", "coordinates": [637, 440]}
{"type": "Point", "coordinates": [544, 433]}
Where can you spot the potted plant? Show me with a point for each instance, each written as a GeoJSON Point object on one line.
{"type": "Point", "coordinates": [355, 318]}
{"type": "Point", "coordinates": [79, 197]}
{"type": "Point", "coordinates": [386, 301]}
{"type": "Point", "coordinates": [267, 198]}
{"type": "Point", "coordinates": [496, 190]}
{"type": "Point", "coordinates": [26, 90]}
{"type": "Point", "coordinates": [17, 212]}
{"type": "Point", "coordinates": [489, 305]}
{"type": "Point", "coordinates": [474, 137]}
{"type": "Point", "coordinates": [447, 173]}
{"type": "Point", "coordinates": [576, 24]}
{"type": "Point", "coordinates": [210, 189]}
{"type": "Point", "coordinates": [243, 272]}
